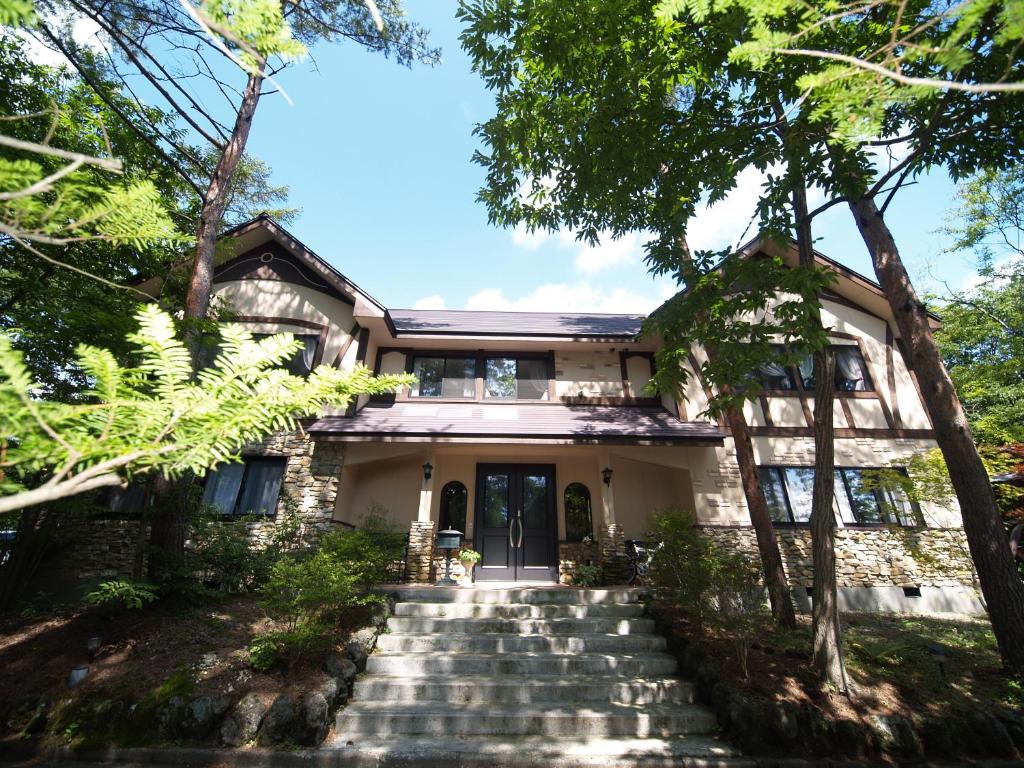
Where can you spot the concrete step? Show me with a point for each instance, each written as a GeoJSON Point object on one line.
{"type": "Point", "coordinates": [516, 611]}
{"type": "Point", "coordinates": [553, 595]}
{"type": "Point", "coordinates": [419, 664]}
{"type": "Point", "coordinates": [579, 690]}
{"type": "Point", "coordinates": [534, 752]}
{"type": "Point", "coordinates": [441, 643]}
{"type": "Point", "coordinates": [388, 718]}
{"type": "Point", "coordinates": [603, 626]}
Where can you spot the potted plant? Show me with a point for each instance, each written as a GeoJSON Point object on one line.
{"type": "Point", "coordinates": [468, 557]}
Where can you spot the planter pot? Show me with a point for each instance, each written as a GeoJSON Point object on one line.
{"type": "Point", "coordinates": [467, 566]}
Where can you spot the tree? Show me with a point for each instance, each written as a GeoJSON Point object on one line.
{"type": "Point", "coordinates": [608, 122]}
{"type": "Point", "coordinates": [156, 416]}
{"type": "Point", "coordinates": [963, 129]}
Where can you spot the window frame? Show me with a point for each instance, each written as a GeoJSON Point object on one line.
{"type": "Point", "coordinates": [444, 512]}
{"type": "Point", "coordinates": [480, 358]}
{"type": "Point", "coordinates": [801, 388]}
{"type": "Point", "coordinates": [543, 359]}
{"type": "Point", "coordinates": [590, 511]}
{"type": "Point", "coordinates": [248, 462]}
{"type": "Point", "coordinates": [285, 365]}
{"type": "Point", "coordinates": [839, 475]}
{"type": "Point", "coordinates": [410, 367]}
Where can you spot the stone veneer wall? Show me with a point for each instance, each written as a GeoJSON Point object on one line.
{"type": "Point", "coordinates": [573, 553]}
{"type": "Point", "coordinates": [869, 557]}
{"type": "Point", "coordinates": [96, 549]}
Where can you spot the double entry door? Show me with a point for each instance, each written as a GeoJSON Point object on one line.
{"type": "Point", "coordinates": [516, 528]}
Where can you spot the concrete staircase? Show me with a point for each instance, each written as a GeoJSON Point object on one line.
{"type": "Point", "coordinates": [544, 676]}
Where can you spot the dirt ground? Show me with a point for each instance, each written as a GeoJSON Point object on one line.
{"type": "Point", "coordinates": [891, 663]}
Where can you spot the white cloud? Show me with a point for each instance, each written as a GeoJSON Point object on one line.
{"type": "Point", "coordinates": [608, 253]}
{"type": "Point", "coordinates": [84, 31]}
{"type": "Point", "coordinates": [528, 240]}
{"type": "Point", "coordinates": [435, 301]}
{"type": "Point", "coordinates": [564, 297]}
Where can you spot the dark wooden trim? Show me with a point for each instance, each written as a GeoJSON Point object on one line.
{"type": "Point", "coordinates": [648, 402]}
{"type": "Point", "coordinates": [837, 299]}
{"type": "Point", "coordinates": [364, 343]}
{"type": "Point", "coordinates": [876, 382]}
{"type": "Point", "coordinates": [809, 393]}
{"type": "Point", "coordinates": [905, 354]}
{"type": "Point", "coordinates": [764, 409]}
{"type": "Point", "coordinates": [848, 413]}
{"type": "Point", "coordinates": [805, 406]}
{"type": "Point", "coordinates": [321, 343]}
{"type": "Point", "coordinates": [264, 270]}
{"type": "Point", "coordinates": [845, 432]}
{"type": "Point", "coordinates": [627, 390]}
{"type": "Point", "coordinates": [692, 360]}
{"type": "Point", "coordinates": [552, 380]}
{"type": "Point", "coordinates": [890, 374]}
{"type": "Point", "coordinates": [344, 347]}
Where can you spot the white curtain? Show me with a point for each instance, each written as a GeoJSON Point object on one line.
{"type": "Point", "coordinates": [532, 380]}
{"type": "Point", "coordinates": [807, 371]}
{"type": "Point", "coordinates": [850, 367]}
{"type": "Point", "coordinates": [309, 351]}
{"type": "Point", "coordinates": [774, 375]}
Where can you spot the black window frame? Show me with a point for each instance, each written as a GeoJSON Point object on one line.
{"type": "Point", "coordinates": [444, 357]}
{"type": "Point", "coordinates": [869, 382]}
{"type": "Point", "coordinates": [248, 463]}
{"type": "Point", "coordinates": [544, 360]}
{"type": "Point", "coordinates": [444, 511]}
{"type": "Point", "coordinates": [294, 366]}
{"type": "Point", "coordinates": [570, 535]}
{"type": "Point", "coordinates": [839, 476]}
{"type": "Point", "coordinates": [792, 375]}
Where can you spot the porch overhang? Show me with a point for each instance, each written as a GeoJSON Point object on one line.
{"type": "Point", "coordinates": [531, 423]}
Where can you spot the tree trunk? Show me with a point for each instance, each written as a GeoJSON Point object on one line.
{"type": "Point", "coordinates": [215, 201]}
{"type": "Point", "coordinates": [828, 655]}
{"type": "Point", "coordinates": [761, 520]}
{"type": "Point", "coordinates": [983, 526]}
{"type": "Point", "coordinates": [767, 545]}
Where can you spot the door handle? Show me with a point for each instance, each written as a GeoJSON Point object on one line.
{"type": "Point", "coordinates": [511, 525]}
{"type": "Point", "coordinates": [519, 519]}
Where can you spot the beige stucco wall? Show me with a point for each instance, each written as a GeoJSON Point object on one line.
{"type": "Point", "coordinates": [274, 298]}
{"type": "Point", "coordinates": [592, 374]}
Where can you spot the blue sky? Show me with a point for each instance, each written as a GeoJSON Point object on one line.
{"type": "Point", "coordinates": [379, 159]}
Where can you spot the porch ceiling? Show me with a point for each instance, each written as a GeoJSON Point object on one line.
{"type": "Point", "coordinates": [540, 422]}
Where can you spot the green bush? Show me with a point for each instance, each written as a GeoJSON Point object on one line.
{"type": "Point", "coordinates": [264, 652]}
{"type": "Point", "coordinates": [587, 576]}
{"type": "Point", "coordinates": [467, 555]}
{"type": "Point", "coordinates": [712, 586]}
{"type": "Point", "coordinates": [119, 596]}
{"type": "Point", "coordinates": [308, 594]}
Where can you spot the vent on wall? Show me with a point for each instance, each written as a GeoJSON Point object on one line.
{"type": "Point", "coordinates": [911, 591]}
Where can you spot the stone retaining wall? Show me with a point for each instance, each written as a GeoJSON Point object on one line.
{"type": "Point", "coordinates": [868, 557]}
{"type": "Point", "coordinates": [94, 549]}
{"type": "Point", "coordinates": [573, 553]}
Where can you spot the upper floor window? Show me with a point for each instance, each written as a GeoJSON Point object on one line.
{"type": "Point", "coordinates": [788, 492]}
{"type": "Point", "coordinates": [248, 488]}
{"type": "Point", "coordinates": [851, 370]}
{"type": "Point", "coordinates": [776, 376]}
{"type": "Point", "coordinates": [301, 363]}
{"type": "Point", "coordinates": [516, 378]}
{"type": "Point", "coordinates": [443, 376]}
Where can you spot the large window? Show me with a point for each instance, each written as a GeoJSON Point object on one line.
{"type": "Point", "coordinates": [441, 376]}
{"type": "Point", "coordinates": [776, 376]}
{"type": "Point", "coordinates": [516, 378]}
{"type": "Point", "coordinates": [249, 488]}
{"type": "Point", "coordinates": [453, 506]}
{"type": "Point", "coordinates": [579, 521]}
{"type": "Point", "coordinates": [301, 363]}
{"type": "Point", "coordinates": [788, 492]}
{"type": "Point", "coordinates": [851, 370]}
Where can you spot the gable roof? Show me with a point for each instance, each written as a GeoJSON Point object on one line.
{"type": "Point", "coordinates": [486, 323]}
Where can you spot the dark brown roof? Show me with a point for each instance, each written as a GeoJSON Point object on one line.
{"type": "Point", "coordinates": [529, 421]}
{"type": "Point", "coordinates": [482, 323]}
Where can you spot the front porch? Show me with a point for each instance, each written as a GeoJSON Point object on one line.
{"type": "Point", "coordinates": [533, 511]}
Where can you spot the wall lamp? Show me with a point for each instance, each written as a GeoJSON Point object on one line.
{"type": "Point", "coordinates": [428, 470]}
{"type": "Point", "coordinates": [606, 475]}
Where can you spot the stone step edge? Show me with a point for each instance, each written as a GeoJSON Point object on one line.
{"type": "Point", "coordinates": [369, 707]}
{"type": "Point", "coordinates": [533, 680]}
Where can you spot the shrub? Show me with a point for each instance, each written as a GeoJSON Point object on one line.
{"type": "Point", "coordinates": [264, 652]}
{"type": "Point", "coordinates": [587, 576]}
{"type": "Point", "coordinates": [118, 596]}
{"type": "Point", "coordinates": [711, 585]}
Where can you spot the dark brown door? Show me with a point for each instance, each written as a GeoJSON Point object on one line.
{"type": "Point", "coordinates": [516, 530]}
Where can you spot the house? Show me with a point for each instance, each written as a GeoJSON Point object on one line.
{"type": "Point", "coordinates": [534, 434]}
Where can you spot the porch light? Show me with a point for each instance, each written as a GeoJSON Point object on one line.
{"type": "Point", "coordinates": [448, 540]}
{"type": "Point", "coordinates": [606, 475]}
{"type": "Point", "coordinates": [428, 470]}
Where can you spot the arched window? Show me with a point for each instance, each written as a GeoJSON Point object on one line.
{"type": "Point", "coordinates": [578, 521]}
{"type": "Point", "coordinates": [453, 506]}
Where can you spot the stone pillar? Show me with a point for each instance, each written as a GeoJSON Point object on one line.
{"type": "Point", "coordinates": [612, 547]}
{"type": "Point", "coordinates": [427, 491]}
{"type": "Point", "coordinates": [421, 548]}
